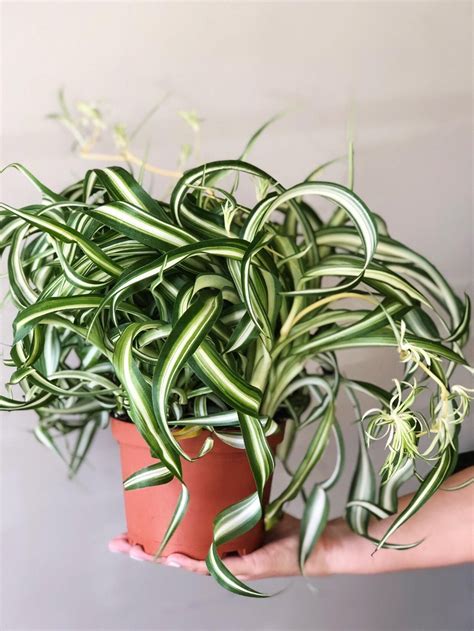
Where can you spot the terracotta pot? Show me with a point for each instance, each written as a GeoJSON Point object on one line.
{"type": "Point", "coordinates": [216, 481]}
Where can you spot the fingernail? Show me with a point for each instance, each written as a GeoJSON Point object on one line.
{"type": "Point", "coordinates": [172, 563]}
{"type": "Point", "coordinates": [134, 558]}
{"type": "Point", "coordinates": [136, 553]}
{"type": "Point", "coordinates": [113, 548]}
{"type": "Point", "coordinates": [119, 546]}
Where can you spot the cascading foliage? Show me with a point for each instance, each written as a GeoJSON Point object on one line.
{"type": "Point", "coordinates": [207, 312]}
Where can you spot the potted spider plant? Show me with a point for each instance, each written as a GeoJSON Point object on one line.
{"type": "Point", "coordinates": [208, 328]}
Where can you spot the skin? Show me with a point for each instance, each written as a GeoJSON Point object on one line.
{"type": "Point", "coordinates": [445, 523]}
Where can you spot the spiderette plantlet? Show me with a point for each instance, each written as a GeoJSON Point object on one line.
{"type": "Point", "coordinates": [400, 426]}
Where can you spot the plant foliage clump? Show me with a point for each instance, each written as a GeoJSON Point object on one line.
{"type": "Point", "coordinates": [211, 312]}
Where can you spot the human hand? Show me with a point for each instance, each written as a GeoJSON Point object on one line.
{"type": "Point", "coordinates": [277, 557]}
{"type": "Point", "coordinates": [446, 523]}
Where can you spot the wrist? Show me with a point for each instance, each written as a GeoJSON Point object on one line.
{"type": "Point", "coordinates": [326, 557]}
{"type": "Point", "coordinates": [336, 551]}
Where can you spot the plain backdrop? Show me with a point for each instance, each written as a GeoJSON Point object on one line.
{"type": "Point", "coordinates": [400, 75]}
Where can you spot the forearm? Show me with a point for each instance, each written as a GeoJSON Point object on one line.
{"type": "Point", "coordinates": [445, 523]}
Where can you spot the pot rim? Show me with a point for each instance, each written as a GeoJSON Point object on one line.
{"type": "Point", "coordinates": [126, 432]}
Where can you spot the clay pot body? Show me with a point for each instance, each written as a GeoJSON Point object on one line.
{"type": "Point", "coordinates": [219, 479]}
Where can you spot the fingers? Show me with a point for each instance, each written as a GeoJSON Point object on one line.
{"type": "Point", "coordinates": [186, 563]}
{"type": "Point", "coordinates": [277, 558]}
{"type": "Point", "coordinates": [256, 565]}
{"type": "Point", "coordinates": [138, 554]}
{"type": "Point", "coordinates": [259, 564]}
{"type": "Point", "coordinates": [243, 566]}
{"type": "Point", "coordinates": [120, 545]}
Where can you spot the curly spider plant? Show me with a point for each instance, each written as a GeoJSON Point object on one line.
{"type": "Point", "coordinates": [208, 312]}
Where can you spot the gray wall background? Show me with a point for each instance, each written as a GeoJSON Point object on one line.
{"type": "Point", "coordinates": [402, 72]}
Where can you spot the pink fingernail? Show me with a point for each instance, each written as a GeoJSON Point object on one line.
{"type": "Point", "coordinates": [119, 546]}
{"type": "Point", "coordinates": [134, 558]}
{"type": "Point", "coordinates": [171, 563]}
{"type": "Point", "coordinates": [136, 553]}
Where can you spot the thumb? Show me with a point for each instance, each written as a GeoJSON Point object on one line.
{"type": "Point", "coordinates": [273, 560]}
{"type": "Point", "coordinates": [249, 565]}
{"type": "Point", "coordinates": [258, 564]}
